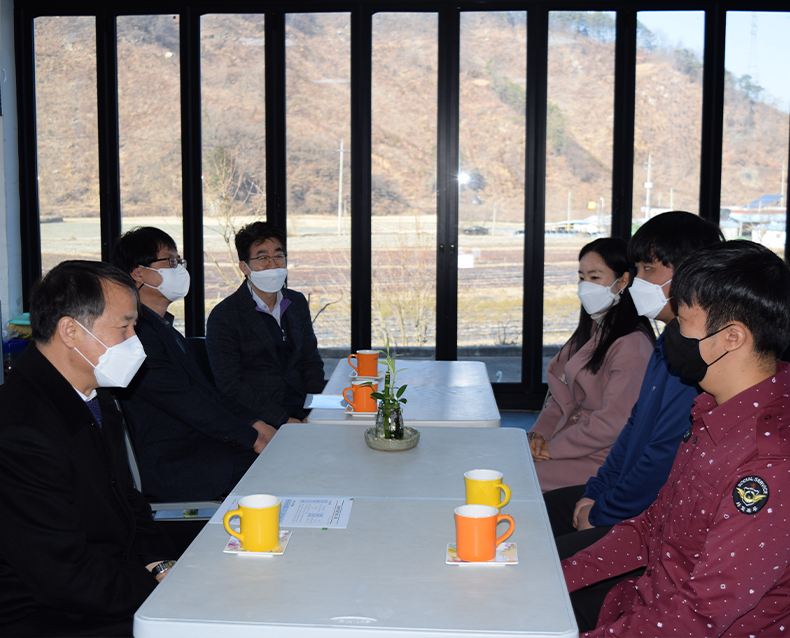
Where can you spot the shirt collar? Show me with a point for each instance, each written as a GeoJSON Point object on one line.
{"type": "Point", "coordinates": [279, 305]}
{"type": "Point", "coordinates": [90, 397]}
{"type": "Point", "coordinates": [720, 419]}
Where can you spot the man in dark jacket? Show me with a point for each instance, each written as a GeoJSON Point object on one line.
{"type": "Point", "coordinates": [79, 551]}
{"type": "Point", "coordinates": [192, 441]}
{"type": "Point", "coordinates": [260, 340]}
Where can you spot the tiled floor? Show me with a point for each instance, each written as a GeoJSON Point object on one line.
{"type": "Point", "coordinates": [523, 420]}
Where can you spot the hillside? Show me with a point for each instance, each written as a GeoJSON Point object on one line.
{"type": "Point", "coordinates": [579, 144]}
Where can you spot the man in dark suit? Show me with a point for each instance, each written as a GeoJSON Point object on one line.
{"type": "Point", "coordinates": [79, 551]}
{"type": "Point", "coordinates": [260, 340]}
{"type": "Point", "coordinates": [192, 441]}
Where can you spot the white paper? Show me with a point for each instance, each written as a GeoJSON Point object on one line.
{"type": "Point", "coordinates": [315, 512]}
{"type": "Point", "coordinates": [325, 402]}
{"type": "Point", "coordinates": [326, 512]}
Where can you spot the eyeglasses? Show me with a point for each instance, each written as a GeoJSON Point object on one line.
{"type": "Point", "coordinates": [280, 261]}
{"type": "Point", "coordinates": [172, 262]}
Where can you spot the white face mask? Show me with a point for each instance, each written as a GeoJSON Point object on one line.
{"type": "Point", "coordinates": [175, 282]}
{"type": "Point", "coordinates": [269, 281]}
{"type": "Point", "coordinates": [648, 298]}
{"type": "Point", "coordinates": [595, 297]}
{"type": "Point", "coordinates": [118, 364]}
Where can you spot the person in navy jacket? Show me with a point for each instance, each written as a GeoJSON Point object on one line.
{"type": "Point", "coordinates": [192, 441]}
{"type": "Point", "coordinates": [260, 339]}
{"type": "Point", "coordinates": [639, 462]}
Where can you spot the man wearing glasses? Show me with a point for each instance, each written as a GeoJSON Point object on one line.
{"type": "Point", "coordinates": [193, 442]}
{"type": "Point", "coordinates": [260, 340]}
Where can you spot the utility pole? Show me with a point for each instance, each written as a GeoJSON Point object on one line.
{"type": "Point", "coordinates": [648, 185]}
{"type": "Point", "coordinates": [340, 191]}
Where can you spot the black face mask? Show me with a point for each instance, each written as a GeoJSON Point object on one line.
{"type": "Point", "coordinates": [684, 354]}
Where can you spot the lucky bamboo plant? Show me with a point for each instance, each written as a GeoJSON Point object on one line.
{"type": "Point", "coordinates": [389, 417]}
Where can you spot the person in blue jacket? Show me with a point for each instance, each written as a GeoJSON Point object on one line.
{"type": "Point", "coordinates": [640, 460]}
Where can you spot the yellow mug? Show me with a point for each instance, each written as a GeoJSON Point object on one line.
{"type": "Point", "coordinates": [484, 487]}
{"type": "Point", "coordinates": [260, 522]}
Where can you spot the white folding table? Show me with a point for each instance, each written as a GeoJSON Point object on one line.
{"type": "Point", "coordinates": [439, 393]}
{"type": "Point", "coordinates": [385, 574]}
{"type": "Point", "coordinates": [302, 457]}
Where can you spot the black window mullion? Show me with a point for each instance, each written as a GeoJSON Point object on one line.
{"type": "Point", "coordinates": [30, 231]}
{"type": "Point", "coordinates": [712, 113]}
{"type": "Point", "coordinates": [275, 118]}
{"type": "Point", "coordinates": [107, 107]}
{"type": "Point", "coordinates": [191, 169]}
{"type": "Point", "coordinates": [361, 251]}
{"type": "Point", "coordinates": [447, 185]}
{"type": "Point", "coordinates": [624, 104]}
{"type": "Point", "coordinates": [787, 208]}
{"type": "Point", "coordinates": [535, 198]}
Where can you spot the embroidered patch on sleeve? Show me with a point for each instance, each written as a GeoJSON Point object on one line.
{"type": "Point", "coordinates": [750, 495]}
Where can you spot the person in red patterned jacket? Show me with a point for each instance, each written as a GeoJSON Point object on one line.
{"type": "Point", "coordinates": [716, 542]}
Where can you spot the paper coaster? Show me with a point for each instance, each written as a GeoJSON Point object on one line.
{"type": "Point", "coordinates": [234, 546]}
{"type": "Point", "coordinates": [506, 554]}
{"type": "Point", "coordinates": [350, 410]}
{"type": "Point", "coordinates": [378, 377]}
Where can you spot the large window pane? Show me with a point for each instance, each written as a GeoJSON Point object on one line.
{"type": "Point", "coordinates": [491, 190]}
{"type": "Point", "coordinates": [68, 139]}
{"type": "Point", "coordinates": [755, 142]}
{"type": "Point", "coordinates": [318, 136]}
{"type": "Point", "coordinates": [234, 142]}
{"type": "Point", "coordinates": [668, 114]}
{"type": "Point", "coordinates": [579, 137]}
{"type": "Point", "coordinates": [404, 181]}
{"type": "Point", "coordinates": [149, 124]}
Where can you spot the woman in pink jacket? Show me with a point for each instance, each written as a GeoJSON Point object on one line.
{"type": "Point", "coordinates": [594, 380]}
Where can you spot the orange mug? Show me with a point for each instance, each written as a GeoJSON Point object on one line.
{"type": "Point", "coordinates": [475, 531]}
{"type": "Point", "coordinates": [367, 363]}
{"type": "Point", "coordinates": [361, 391]}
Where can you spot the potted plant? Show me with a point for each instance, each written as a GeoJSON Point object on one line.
{"type": "Point", "coordinates": [389, 418]}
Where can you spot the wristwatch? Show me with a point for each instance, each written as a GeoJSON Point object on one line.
{"type": "Point", "coordinates": [162, 567]}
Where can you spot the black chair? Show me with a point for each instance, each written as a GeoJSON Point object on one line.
{"type": "Point", "coordinates": [188, 509]}
{"type": "Point", "coordinates": [197, 346]}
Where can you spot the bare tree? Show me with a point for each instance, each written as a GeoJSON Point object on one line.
{"type": "Point", "coordinates": [228, 194]}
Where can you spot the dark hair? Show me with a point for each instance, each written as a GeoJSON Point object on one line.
{"type": "Point", "coordinates": [140, 247]}
{"type": "Point", "coordinates": [671, 237]}
{"type": "Point", "coordinates": [72, 289]}
{"type": "Point", "coordinates": [739, 281]}
{"type": "Point", "coordinates": [620, 319]}
{"type": "Point", "coordinates": [251, 234]}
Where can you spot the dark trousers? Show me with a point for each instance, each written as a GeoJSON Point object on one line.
{"type": "Point", "coordinates": [49, 622]}
{"type": "Point", "coordinates": [586, 602]}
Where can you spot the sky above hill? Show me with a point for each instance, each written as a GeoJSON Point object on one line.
{"type": "Point", "coordinates": [771, 57]}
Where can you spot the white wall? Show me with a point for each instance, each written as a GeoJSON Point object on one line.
{"type": "Point", "coordinates": [10, 243]}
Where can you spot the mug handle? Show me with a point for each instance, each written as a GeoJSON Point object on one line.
{"type": "Point", "coordinates": [510, 529]}
{"type": "Point", "coordinates": [506, 490]}
{"type": "Point", "coordinates": [226, 522]}
{"type": "Point", "coordinates": [351, 364]}
{"type": "Point", "coordinates": [351, 403]}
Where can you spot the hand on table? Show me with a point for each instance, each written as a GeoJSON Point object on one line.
{"type": "Point", "coordinates": [265, 434]}
{"type": "Point", "coordinates": [295, 420]}
{"type": "Point", "coordinates": [539, 448]}
{"type": "Point", "coordinates": [581, 514]}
